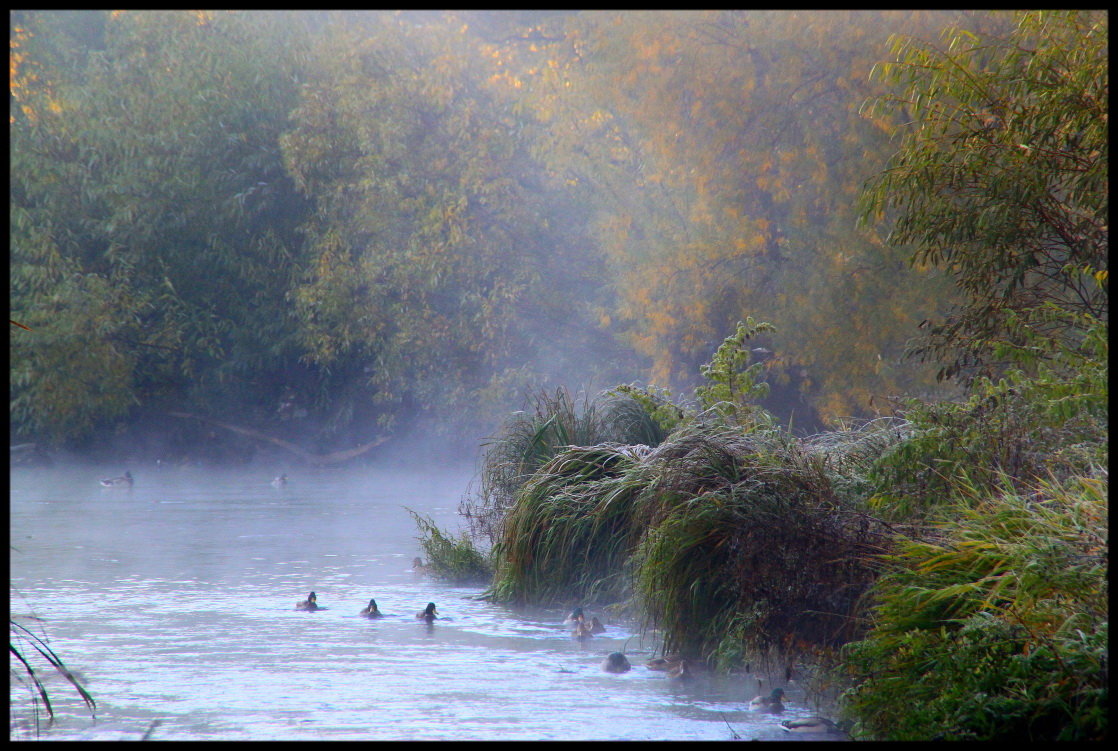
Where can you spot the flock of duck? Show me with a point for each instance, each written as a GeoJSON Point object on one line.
{"type": "Point", "coordinates": [428, 614]}
{"type": "Point", "coordinates": [616, 662]}
{"type": "Point", "coordinates": [582, 627]}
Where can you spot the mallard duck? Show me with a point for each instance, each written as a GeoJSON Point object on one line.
{"type": "Point", "coordinates": [280, 481]}
{"type": "Point", "coordinates": [124, 481]}
{"type": "Point", "coordinates": [418, 567]}
{"type": "Point", "coordinates": [576, 617]}
{"type": "Point", "coordinates": [770, 703]}
{"type": "Point", "coordinates": [596, 626]}
{"type": "Point", "coordinates": [616, 663]}
{"type": "Point", "coordinates": [681, 671]}
{"type": "Point", "coordinates": [429, 613]}
{"type": "Point", "coordinates": [311, 603]}
{"type": "Point", "coordinates": [583, 630]}
{"type": "Point", "coordinates": [370, 610]}
{"type": "Point", "coordinates": [667, 662]}
{"type": "Point", "coordinates": [812, 725]}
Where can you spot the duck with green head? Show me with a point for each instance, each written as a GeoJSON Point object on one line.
{"type": "Point", "coordinates": [309, 604]}
{"type": "Point", "coordinates": [770, 703]}
{"type": "Point", "coordinates": [371, 611]}
{"type": "Point", "coordinates": [575, 618]}
{"type": "Point", "coordinates": [429, 613]}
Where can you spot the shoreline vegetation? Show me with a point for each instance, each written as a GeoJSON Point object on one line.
{"type": "Point", "coordinates": [894, 559]}
{"type": "Point", "coordinates": [944, 568]}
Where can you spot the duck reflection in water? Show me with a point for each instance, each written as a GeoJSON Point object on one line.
{"type": "Point", "coordinates": [124, 481]}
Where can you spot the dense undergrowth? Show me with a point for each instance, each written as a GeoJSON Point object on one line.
{"type": "Point", "coordinates": [947, 566]}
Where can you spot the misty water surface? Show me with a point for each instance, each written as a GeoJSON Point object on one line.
{"type": "Point", "coordinates": [174, 601]}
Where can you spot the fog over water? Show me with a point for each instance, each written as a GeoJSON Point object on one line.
{"type": "Point", "coordinates": [174, 602]}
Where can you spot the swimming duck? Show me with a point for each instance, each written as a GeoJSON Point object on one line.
{"type": "Point", "coordinates": [616, 663]}
{"type": "Point", "coordinates": [583, 630]}
{"type": "Point", "coordinates": [124, 481]}
{"type": "Point", "coordinates": [576, 617]}
{"type": "Point", "coordinates": [280, 481]}
{"type": "Point", "coordinates": [667, 662]}
{"type": "Point", "coordinates": [680, 672]}
{"type": "Point", "coordinates": [418, 567]}
{"type": "Point", "coordinates": [311, 603]}
{"type": "Point", "coordinates": [370, 610]}
{"type": "Point", "coordinates": [429, 614]}
{"type": "Point", "coordinates": [770, 703]}
{"type": "Point", "coordinates": [596, 626]}
{"type": "Point", "coordinates": [812, 725]}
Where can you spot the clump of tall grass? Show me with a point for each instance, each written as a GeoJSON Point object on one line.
{"type": "Point", "coordinates": [569, 534]}
{"type": "Point", "coordinates": [751, 548]}
{"type": "Point", "coordinates": [457, 560]}
{"type": "Point", "coordinates": [995, 627]}
{"type": "Point", "coordinates": [531, 438]}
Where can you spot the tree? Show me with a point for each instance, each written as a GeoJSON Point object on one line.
{"type": "Point", "coordinates": [720, 156]}
{"type": "Point", "coordinates": [1002, 177]}
{"type": "Point", "coordinates": [438, 266]}
{"type": "Point", "coordinates": [152, 225]}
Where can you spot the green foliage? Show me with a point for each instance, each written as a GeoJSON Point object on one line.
{"type": "Point", "coordinates": [1002, 178]}
{"type": "Point", "coordinates": [437, 264]}
{"type": "Point", "coordinates": [751, 547]}
{"type": "Point", "coordinates": [531, 438]}
{"type": "Point", "coordinates": [456, 560]}
{"type": "Point", "coordinates": [568, 535]}
{"type": "Point", "coordinates": [1048, 420]}
{"type": "Point", "coordinates": [648, 414]}
{"type": "Point", "coordinates": [711, 524]}
{"type": "Point", "coordinates": [151, 220]}
{"type": "Point", "coordinates": [995, 626]}
{"type": "Point", "coordinates": [732, 382]}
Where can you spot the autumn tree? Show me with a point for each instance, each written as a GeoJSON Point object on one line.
{"type": "Point", "coordinates": [440, 270]}
{"type": "Point", "coordinates": [721, 155]}
{"type": "Point", "coordinates": [1002, 179]}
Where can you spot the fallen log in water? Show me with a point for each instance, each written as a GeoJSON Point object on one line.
{"type": "Point", "coordinates": [337, 457]}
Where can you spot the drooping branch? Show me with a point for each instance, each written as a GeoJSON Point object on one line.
{"type": "Point", "coordinates": [337, 457]}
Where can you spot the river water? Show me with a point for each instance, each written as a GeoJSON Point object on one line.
{"type": "Point", "coordinates": [174, 602]}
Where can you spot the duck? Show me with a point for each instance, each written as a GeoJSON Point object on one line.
{"type": "Point", "coordinates": [429, 613]}
{"type": "Point", "coordinates": [124, 481]}
{"type": "Point", "coordinates": [667, 662]}
{"type": "Point", "coordinates": [582, 631]}
{"type": "Point", "coordinates": [370, 610]}
{"type": "Point", "coordinates": [311, 603]}
{"type": "Point", "coordinates": [418, 566]}
{"type": "Point", "coordinates": [680, 672]}
{"type": "Point", "coordinates": [812, 725]}
{"type": "Point", "coordinates": [576, 617]}
{"type": "Point", "coordinates": [770, 703]}
{"type": "Point", "coordinates": [596, 626]}
{"type": "Point", "coordinates": [280, 481]}
{"type": "Point", "coordinates": [616, 662]}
